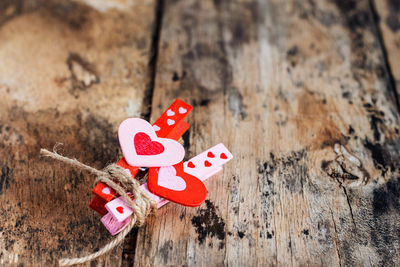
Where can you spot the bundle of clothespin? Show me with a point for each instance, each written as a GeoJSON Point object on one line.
{"type": "Point", "coordinates": [169, 178]}
{"type": "Point", "coordinates": [156, 149]}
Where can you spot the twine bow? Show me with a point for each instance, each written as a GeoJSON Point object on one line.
{"type": "Point", "coordinates": [117, 178]}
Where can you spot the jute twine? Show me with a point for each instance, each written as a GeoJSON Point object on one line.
{"type": "Point", "coordinates": [117, 178]}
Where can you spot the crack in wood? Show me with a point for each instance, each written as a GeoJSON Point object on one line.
{"type": "Point", "coordinates": [336, 238]}
{"type": "Point", "coordinates": [350, 208]}
{"type": "Point", "coordinates": [148, 97]}
{"type": "Point", "coordinates": [390, 77]}
{"type": "Point", "coordinates": [291, 250]}
{"type": "Point", "coordinates": [129, 249]}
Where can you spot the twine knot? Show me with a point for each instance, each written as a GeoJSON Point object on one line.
{"type": "Point", "coordinates": [122, 182]}
{"type": "Point", "coordinates": [143, 204]}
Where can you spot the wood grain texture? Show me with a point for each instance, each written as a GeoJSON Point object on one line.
{"type": "Point", "coordinates": [301, 93]}
{"type": "Point", "coordinates": [297, 90]}
{"type": "Point", "coordinates": [69, 73]}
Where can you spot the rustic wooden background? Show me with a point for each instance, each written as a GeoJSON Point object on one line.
{"type": "Point", "coordinates": [303, 92]}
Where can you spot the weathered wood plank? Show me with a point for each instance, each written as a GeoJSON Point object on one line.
{"type": "Point", "coordinates": [69, 73]}
{"type": "Point", "coordinates": [388, 13]}
{"type": "Point", "coordinates": [280, 83]}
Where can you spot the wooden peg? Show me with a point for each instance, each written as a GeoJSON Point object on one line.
{"type": "Point", "coordinates": [164, 129]}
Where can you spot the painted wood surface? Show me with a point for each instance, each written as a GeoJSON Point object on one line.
{"type": "Point", "coordinates": [303, 93]}
{"type": "Point", "coordinates": [69, 73]}
{"type": "Point", "coordinates": [297, 90]}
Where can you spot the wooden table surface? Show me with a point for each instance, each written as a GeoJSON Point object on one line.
{"type": "Point", "coordinates": [304, 93]}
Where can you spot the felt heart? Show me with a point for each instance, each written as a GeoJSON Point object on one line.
{"type": "Point", "coordinates": [170, 122]}
{"type": "Point", "coordinates": [223, 156]}
{"type": "Point", "coordinates": [167, 178]}
{"type": "Point", "coordinates": [156, 128]}
{"type": "Point", "coordinates": [144, 145]}
{"type": "Point", "coordinates": [141, 146]}
{"type": "Point", "coordinates": [207, 163]}
{"type": "Point", "coordinates": [191, 165]}
{"type": "Point", "coordinates": [182, 110]}
{"type": "Point", "coordinates": [192, 195]}
{"type": "Point", "coordinates": [210, 154]}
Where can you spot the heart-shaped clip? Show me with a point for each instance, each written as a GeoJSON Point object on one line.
{"type": "Point", "coordinates": [141, 146]}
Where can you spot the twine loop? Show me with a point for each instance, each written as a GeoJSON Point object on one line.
{"type": "Point", "coordinates": [122, 182]}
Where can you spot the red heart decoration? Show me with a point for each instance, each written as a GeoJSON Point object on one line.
{"type": "Point", "coordinates": [207, 163]}
{"type": "Point", "coordinates": [223, 156]}
{"type": "Point", "coordinates": [191, 165]}
{"type": "Point", "coordinates": [193, 195]}
{"type": "Point", "coordinates": [144, 145]}
{"type": "Point", "coordinates": [120, 209]}
{"type": "Point", "coordinates": [210, 154]}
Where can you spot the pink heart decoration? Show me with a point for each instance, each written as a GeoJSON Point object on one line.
{"type": "Point", "coordinates": [167, 178]}
{"type": "Point", "coordinates": [142, 148]}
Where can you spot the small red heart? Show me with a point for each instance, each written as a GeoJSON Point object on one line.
{"type": "Point", "coordinates": [191, 165]}
{"type": "Point", "coordinates": [207, 163]}
{"type": "Point", "coordinates": [144, 145]}
{"type": "Point", "coordinates": [120, 209]}
{"type": "Point", "coordinates": [210, 154]}
{"type": "Point", "coordinates": [223, 156]}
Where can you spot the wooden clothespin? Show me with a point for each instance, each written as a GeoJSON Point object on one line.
{"type": "Point", "coordinates": [170, 124]}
